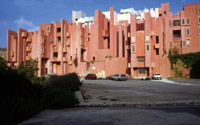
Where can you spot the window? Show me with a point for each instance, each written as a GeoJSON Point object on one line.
{"type": "Point", "coordinates": [198, 10]}
{"type": "Point", "coordinates": [142, 71]}
{"type": "Point", "coordinates": [147, 37]}
{"type": "Point", "coordinates": [187, 31]}
{"type": "Point", "coordinates": [140, 59]}
{"type": "Point", "coordinates": [188, 41]}
{"type": "Point", "coordinates": [133, 39]}
{"type": "Point", "coordinates": [176, 22]}
{"type": "Point", "coordinates": [157, 39]}
{"type": "Point", "coordinates": [140, 27]}
{"type": "Point", "coordinates": [183, 22]}
{"type": "Point", "coordinates": [54, 46]}
{"type": "Point", "coordinates": [170, 22]}
{"type": "Point", "coordinates": [93, 58]}
{"type": "Point", "coordinates": [187, 21]}
{"type": "Point", "coordinates": [133, 48]}
{"type": "Point", "coordinates": [58, 30]}
{"type": "Point", "coordinates": [176, 33]}
{"type": "Point", "coordinates": [48, 29]}
{"type": "Point", "coordinates": [199, 30]}
{"type": "Point", "coordinates": [55, 55]}
{"type": "Point", "coordinates": [147, 48]}
{"type": "Point", "coordinates": [58, 39]}
{"type": "Point", "coordinates": [199, 20]}
{"type": "Point", "coordinates": [157, 51]}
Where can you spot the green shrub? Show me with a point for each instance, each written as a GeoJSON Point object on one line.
{"type": "Point", "coordinates": [23, 95]}
{"type": "Point", "coordinates": [190, 60]}
{"type": "Point", "coordinates": [57, 98]}
{"type": "Point", "coordinates": [70, 81]}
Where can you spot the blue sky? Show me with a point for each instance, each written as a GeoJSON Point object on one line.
{"type": "Point", "coordinates": [29, 14]}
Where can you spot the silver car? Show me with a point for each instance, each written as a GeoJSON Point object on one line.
{"type": "Point", "coordinates": [119, 77]}
{"type": "Point", "coordinates": [156, 76]}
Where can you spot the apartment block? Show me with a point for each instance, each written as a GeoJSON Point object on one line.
{"type": "Point", "coordinates": [131, 42]}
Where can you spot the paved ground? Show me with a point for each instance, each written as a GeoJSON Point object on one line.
{"type": "Point", "coordinates": [132, 91]}
{"type": "Point", "coordinates": [139, 91]}
{"type": "Point", "coordinates": [118, 116]}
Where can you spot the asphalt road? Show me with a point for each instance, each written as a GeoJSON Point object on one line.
{"type": "Point", "coordinates": [118, 116]}
{"type": "Point", "coordinates": [131, 91]}
{"type": "Point", "coordinates": [140, 91]}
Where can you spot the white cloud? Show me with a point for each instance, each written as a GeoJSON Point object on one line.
{"type": "Point", "coordinates": [25, 24]}
{"type": "Point", "coordinates": [184, 1]}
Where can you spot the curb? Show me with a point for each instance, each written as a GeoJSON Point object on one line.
{"type": "Point", "coordinates": [145, 104]}
{"type": "Point", "coordinates": [136, 104]}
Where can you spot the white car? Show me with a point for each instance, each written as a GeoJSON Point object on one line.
{"type": "Point", "coordinates": [119, 77]}
{"type": "Point", "coordinates": [156, 76]}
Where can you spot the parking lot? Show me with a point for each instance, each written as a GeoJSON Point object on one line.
{"type": "Point", "coordinates": [140, 91]}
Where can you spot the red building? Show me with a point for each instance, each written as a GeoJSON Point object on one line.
{"type": "Point", "coordinates": [131, 42]}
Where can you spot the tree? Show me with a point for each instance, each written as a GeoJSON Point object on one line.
{"type": "Point", "coordinates": [28, 69]}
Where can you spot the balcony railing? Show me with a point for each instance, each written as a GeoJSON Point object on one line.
{"type": "Point", "coordinates": [156, 46]}
{"type": "Point", "coordinates": [28, 39]}
{"type": "Point", "coordinates": [24, 34]}
{"type": "Point", "coordinates": [28, 48]}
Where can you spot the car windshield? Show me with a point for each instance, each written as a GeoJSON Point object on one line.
{"type": "Point", "coordinates": [157, 74]}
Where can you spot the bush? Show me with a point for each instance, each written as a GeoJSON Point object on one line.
{"type": "Point", "coordinates": [23, 95]}
{"type": "Point", "coordinates": [57, 98]}
{"type": "Point", "coordinates": [190, 61]}
{"type": "Point", "coordinates": [70, 81]}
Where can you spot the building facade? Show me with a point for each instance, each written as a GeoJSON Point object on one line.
{"type": "Point", "coordinates": [131, 42]}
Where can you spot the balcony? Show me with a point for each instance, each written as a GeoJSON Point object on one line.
{"type": "Point", "coordinates": [70, 62]}
{"type": "Point", "coordinates": [64, 50]}
{"type": "Point", "coordinates": [28, 58]}
{"type": "Point", "coordinates": [68, 43]}
{"type": "Point", "coordinates": [24, 34]}
{"type": "Point", "coordinates": [28, 49]}
{"type": "Point", "coordinates": [68, 34]}
{"type": "Point", "coordinates": [156, 46]}
{"type": "Point", "coordinates": [28, 39]}
{"type": "Point", "coordinates": [105, 33]}
{"type": "Point", "coordinates": [64, 59]}
{"type": "Point", "coordinates": [129, 34]}
{"type": "Point", "coordinates": [152, 33]}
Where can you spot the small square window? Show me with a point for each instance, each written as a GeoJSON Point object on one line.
{"type": "Point", "coordinates": [133, 48]}
{"type": "Point", "coordinates": [183, 21]}
{"type": "Point", "coordinates": [147, 37]}
{"type": "Point", "coordinates": [188, 21]}
{"type": "Point", "coordinates": [140, 59]}
{"type": "Point", "coordinates": [48, 29]}
{"type": "Point", "coordinates": [147, 48]}
{"type": "Point", "coordinates": [198, 10]}
{"type": "Point", "coordinates": [199, 30]}
{"type": "Point", "coordinates": [133, 38]}
{"type": "Point", "coordinates": [188, 42]}
{"type": "Point", "coordinates": [187, 31]}
{"type": "Point", "coordinates": [199, 20]}
{"type": "Point", "coordinates": [170, 22]}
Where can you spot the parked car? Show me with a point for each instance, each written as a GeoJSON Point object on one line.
{"type": "Point", "coordinates": [119, 77]}
{"type": "Point", "coordinates": [91, 76]}
{"type": "Point", "coordinates": [50, 75]}
{"type": "Point", "coordinates": [156, 76]}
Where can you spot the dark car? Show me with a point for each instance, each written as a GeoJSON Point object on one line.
{"type": "Point", "coordinates": [91, 76]}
